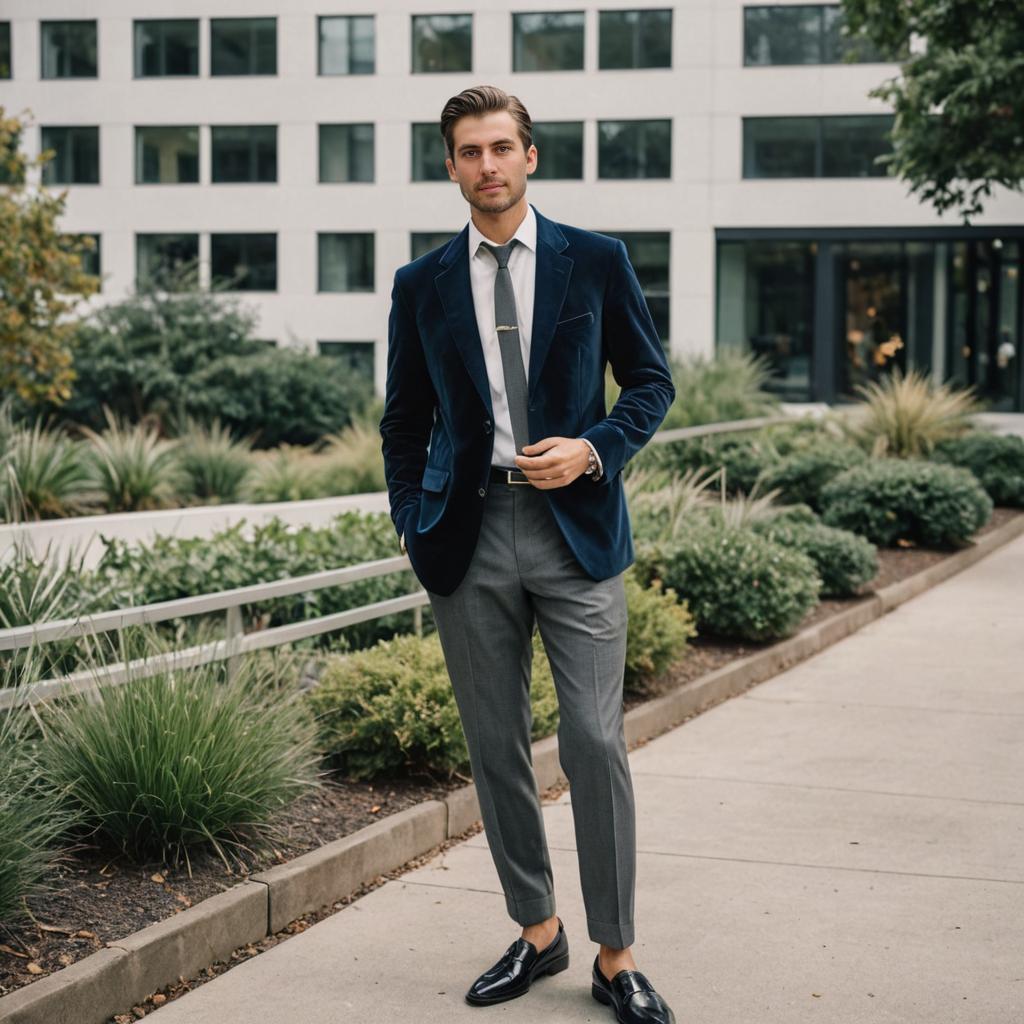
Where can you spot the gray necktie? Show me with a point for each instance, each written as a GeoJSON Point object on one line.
{"type": "Point", "coordinates": [507, 325]}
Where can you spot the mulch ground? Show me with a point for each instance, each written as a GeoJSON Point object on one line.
{"type": "Point", "coordinates": [97, 898]}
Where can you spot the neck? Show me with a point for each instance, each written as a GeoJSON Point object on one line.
{"type": "Point", "coordinates": [500, 227]}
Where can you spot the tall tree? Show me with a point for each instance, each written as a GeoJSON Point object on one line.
{"type": "Point", "coordinates": [959, 100]}
{"type": "Point", "coordinates": [41, 277]}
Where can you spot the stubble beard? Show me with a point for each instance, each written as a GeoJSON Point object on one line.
{"type": "Point", "coordinates": [480, 202]}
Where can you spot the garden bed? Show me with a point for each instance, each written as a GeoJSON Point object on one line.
{"type": "Point", "coordinates": [97, 900]}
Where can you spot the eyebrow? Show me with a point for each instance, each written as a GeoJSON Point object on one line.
{"type": "Point", "coordinates": [476, 145]}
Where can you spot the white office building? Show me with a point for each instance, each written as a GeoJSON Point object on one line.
{"type": "Point", "coordinates": [293, 149]}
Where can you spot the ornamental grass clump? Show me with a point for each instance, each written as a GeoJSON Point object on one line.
{"type": "Point", "coordinates": [737, 583]}
{"type": "Point", "coordinates": [997, 460]}
{"type": "Point", "coordinates": [905, 416]}
{"type": "Point", "coordinates": [33, 825]}
{"type": "Point", "coordinates": [157, 767]}
{"type": "Point", "coordinates": [214, 465]}
{"type": "Point", "coordinates": [891, 501]}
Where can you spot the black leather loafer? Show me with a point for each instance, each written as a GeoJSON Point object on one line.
{"type": "Point", "coordinates": [521, 963]}
{"type": "Point", "coordinates": [632, 997]}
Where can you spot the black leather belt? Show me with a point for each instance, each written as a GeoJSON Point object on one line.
{"type": "Point", "coordinates": [501, 475]}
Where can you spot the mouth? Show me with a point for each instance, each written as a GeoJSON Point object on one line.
{"type": "Point", "coordinates": [491, 188]}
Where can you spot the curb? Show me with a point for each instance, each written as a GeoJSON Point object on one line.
{"type": "Point", "coordinates": [127, 971]}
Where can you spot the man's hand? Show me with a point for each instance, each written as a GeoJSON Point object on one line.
{"type": "Point", "coordinates": [554, 462]}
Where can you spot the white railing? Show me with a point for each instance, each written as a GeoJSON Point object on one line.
{"type": "Point", "coordinates": [236, 642]}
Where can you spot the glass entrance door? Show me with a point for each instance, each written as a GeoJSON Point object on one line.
{"type": "Point", "coordinates": [985, 311]}
{"type": "Point", "coordinates": [872, 308]}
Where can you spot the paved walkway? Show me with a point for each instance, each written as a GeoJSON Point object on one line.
{"type": "Point", "coordinates": [843, 844]}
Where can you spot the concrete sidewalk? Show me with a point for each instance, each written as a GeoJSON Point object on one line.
{"type": "Point", "coordinates": [842, 844]}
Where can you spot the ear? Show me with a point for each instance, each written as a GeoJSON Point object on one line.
{"type": "Point", "coordinates": [451, 169]}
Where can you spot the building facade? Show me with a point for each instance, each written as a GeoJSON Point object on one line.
{"type": "Point", "coordinates": [291, 152]}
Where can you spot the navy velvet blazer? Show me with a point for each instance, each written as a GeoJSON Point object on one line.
{"type": "Point", "coordinates": [438, 424]}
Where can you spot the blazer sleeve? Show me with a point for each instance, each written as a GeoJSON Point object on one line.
{"type": "Point", "coordinates": [639, 366]}
{"type": "Point", "coordinates": [408, 416]}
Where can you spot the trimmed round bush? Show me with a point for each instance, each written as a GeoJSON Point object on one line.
{"type": "Point", "coordinates": [391, 707]}
{"type": "Point", "coordinates": [801, 475]}
{"type": "Point", "coordinates": [997, 460]}
{"type": "Point", "coordinates": [844, 561]}
{"type": "Point", "coordinates": [737, 583]}
{"type": "Point", "coordinates": [890, 500]}
{"type": "Point", "coordinates": [659, 628]}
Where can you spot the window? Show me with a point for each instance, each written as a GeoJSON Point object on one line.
{"type": "Point", "coordinates": [357, 357]}
{"type": "Point", "coordinates": [442, 42]}
{"type": "Point", "coordinates": [649, 253]}
{"type": "Point", "coordinates": [5, 49]}
{"type": "Point", "coordinates": [765, 294]}
{"type": "Point", "coordinates": [422, 242]}
{"type": "Point", "coordinates": [346, 152]}
{"type": "Point", "coordinates": [345, 262]}
{"type": "Point", "coordinates": [68, 49]}
{"type": "Point", "coordinates": [243, 46]}
{"type": "Point", "coordinates": [547, 41]}
{"type": "Point", "coordinates": [559, 150]}
{"type": "Point", "coordinates": [346, 45]}
{"type": "Point", "coordinates": [805, 34]}
{"type": "Point", "coordinates": [815, 147]}
{"type": "Point", "coordinates": [244, 152]}
{"type": "Point", "coordinates": [244, 262]}
{"type": "Point", "coordinates": [428, 153]}
{"type": "Point", "coordinates": [635, 39]}
{"type": "Point", "coordinates": [166, 155]}
{"type": "Point", "coordinates": [634, 149]}
{"type": "Point", "coordinates": [166, 259]}
{"type": "Point", "coordinates": [76, 158]}
{"type": "Point", "coordinates": [165, 47]}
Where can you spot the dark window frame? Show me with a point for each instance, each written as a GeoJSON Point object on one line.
{"type": "Point", "coordinates": [215, 281]}
{"type": "Point", "coordinates": [253, 49]}
{"type": "Point", "coordinates": [137, 154]}
{"type": "Point", "coordinates": [583, 147]}
{"type": "Point", "coordinates": [320, 19]}
{"type": "Point", "coordinates": [136, 58]}
{"type": "Point", "coordinates": [516, 15]}
{"type": "Point", "coordinates": [363, 290]}
{"type": "Point", "coordinates": [637, 120]}
{"type": "Point", "coordinates": [639, 11]}
{"type": "Point", "coordinates": [189, 235]}
{"type": "Point", "coordinates": [414, 18]}
{"type": "Point", "coordinates": [42, 49]}
{"type": "Point", "coordinates": [70, 127]}
{"type": "Point", "coordinates": [253, 155]}
{"type": "Point", "coordinates": [321, 180]}
{"type": "Point", "coordinates": [8, 45]}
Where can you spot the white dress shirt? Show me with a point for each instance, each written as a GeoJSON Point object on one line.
{"type": "Point", "coordinates": [483, 269]}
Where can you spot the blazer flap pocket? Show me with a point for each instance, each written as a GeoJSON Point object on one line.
{"type": "Point", "coordinates": [434, 479]}
{"type": "Point", "coordinates": [575, 321]}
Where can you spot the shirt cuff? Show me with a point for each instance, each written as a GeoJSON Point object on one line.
{"type": "Point", "coordinates": [596, 475]}
{"type": "Point", "coordinates": [401, 541]}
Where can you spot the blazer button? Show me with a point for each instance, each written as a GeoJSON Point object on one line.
{"type": "Point", "coordinates": [487, 426]}
{"type": "Point", "coordinates": [481, 492]}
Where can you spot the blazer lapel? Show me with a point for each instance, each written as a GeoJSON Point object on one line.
{"type": "Point", "coordinates": [456, 293]}
{"type": "Point", "coordinates": [550, 287]}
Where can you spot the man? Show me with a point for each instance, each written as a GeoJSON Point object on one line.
{"type": "Point", "coordinates": [504, 480]}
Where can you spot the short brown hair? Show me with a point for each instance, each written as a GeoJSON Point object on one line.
{"type": "Point", "coordinates": [479, 100]}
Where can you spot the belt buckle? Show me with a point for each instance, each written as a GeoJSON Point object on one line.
{"type": "Point", "coordinates": [509, 480]}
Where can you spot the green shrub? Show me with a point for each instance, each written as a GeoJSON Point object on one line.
{"type": "Point", "coordinates": [844, 561]}
{"type": "Point", "coordinates": [741, 457]}
{"type": "Point", "coordinates": [659, 629]}
{"type": "Point", "coordinates": [159, 765]}
{"type": "Point", "coordinates": [801, 475]}
{"type": "Point", "coordinates": [737, 583]}
{"type": "Point", "coordinates": [890, 500]}
{"type": "Point", "coordinates": [997, 460]}
{"type": "Point", "coordinates": [392, 707]}
{"type": "Point", "coordinates": [278, 396]}
{"type": "Point", "coordinates": [243, 555]}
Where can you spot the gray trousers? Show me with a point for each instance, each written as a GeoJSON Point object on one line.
{"type": "Point", "coordinates": [523, 572]}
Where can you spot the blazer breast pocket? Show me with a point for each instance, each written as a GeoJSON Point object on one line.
{"type": "Point", "coordinates": [574, 322]}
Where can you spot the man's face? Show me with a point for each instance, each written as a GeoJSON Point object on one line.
{"type": "Point", "coordinates": [490, 163]}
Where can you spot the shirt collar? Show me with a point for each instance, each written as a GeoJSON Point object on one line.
{"type": "Point", "coordinates": [526, 233]}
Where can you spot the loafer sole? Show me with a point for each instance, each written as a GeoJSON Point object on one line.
{"type": "Point", "coordinates": [554, 967]}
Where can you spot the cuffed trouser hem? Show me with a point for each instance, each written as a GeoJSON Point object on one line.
{"type": "Point", "coordinates": [533, 911]}
{"type": "Point", "coordinates": [618, 936]}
